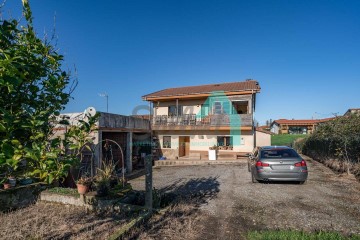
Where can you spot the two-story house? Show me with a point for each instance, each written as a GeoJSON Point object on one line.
{"type": "Point", "coordinates": [189, 120]}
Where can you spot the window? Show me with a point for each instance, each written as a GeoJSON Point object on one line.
{"type": "Point", "coordinates": [225, 141]}
{"type": "Point", "coordinates": [240, 107]}
{"type": "Point", "coordinates": [279, 153]}
{"type": "Point", "coordinates": [166, 142]}
{"type": "Point", "coordinates": [172, 110]}
{"type": "Point", "coordinates": [217, 108]}
{"type": "Point", "coordinates": [204, 110]}
{"type": "Point", "coordinates": [222, 107]}
{"type": "Point", "coordinates": [226, 107]}
{"type": "Point", "coordinates": [298, 130]}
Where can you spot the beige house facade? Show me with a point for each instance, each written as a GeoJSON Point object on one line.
{"type": "Point", "coordinates": [187, 121]}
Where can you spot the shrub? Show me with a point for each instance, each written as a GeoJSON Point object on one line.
{"type": "Point", "coordinates": [336, 143]}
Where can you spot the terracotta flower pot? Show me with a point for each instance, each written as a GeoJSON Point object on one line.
{"type": "Point", "coordinates": [7, 185]}
{"type": "Point", "coordinates": [82, 189]}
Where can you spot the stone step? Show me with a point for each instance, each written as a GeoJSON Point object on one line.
{"type": "Point", "coordinates": [197, 162]}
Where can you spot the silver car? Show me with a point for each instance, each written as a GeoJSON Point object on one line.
{"type": "Point", "coordinates": [277, 163]}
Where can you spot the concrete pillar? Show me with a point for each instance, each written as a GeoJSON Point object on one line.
{"type": "Point", "coordinates": [97, 153]}
{"type": "Point", "coordinates": [129, 152]}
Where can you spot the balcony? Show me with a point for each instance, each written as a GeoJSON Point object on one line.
{"type": "Point", "coordinates": [196, 122]}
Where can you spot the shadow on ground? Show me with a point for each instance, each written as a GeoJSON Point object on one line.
{"type": "Point", "coordinates": [196, 190]}
{"type": "Point", "coordinates": [181, 218]}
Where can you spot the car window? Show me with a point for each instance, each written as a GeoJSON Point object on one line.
{"type": "Point", "coordinates": [279, 153]}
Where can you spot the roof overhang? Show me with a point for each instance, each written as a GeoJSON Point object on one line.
{"type": "Point", "coordinates": [196, 95]}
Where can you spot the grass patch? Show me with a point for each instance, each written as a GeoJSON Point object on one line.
{"type": "Point", "coordinates": [298, 235]}
{"type": "Point", "coordinates": [65, 191]}
{"type": "Point", "coordinates": [285, 139]}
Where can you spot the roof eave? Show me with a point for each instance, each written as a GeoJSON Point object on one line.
{"type": "Point", "coordinates": [148, 97]}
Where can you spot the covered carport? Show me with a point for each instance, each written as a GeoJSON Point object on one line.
{"type": "Point", "coordinates": [129, 133]}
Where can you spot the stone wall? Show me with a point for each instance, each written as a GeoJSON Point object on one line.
{"type": "Point", "coordinates": [20, 197]}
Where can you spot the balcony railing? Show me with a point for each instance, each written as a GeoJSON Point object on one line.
{"type": "Point", "coordinates": [210, 120]}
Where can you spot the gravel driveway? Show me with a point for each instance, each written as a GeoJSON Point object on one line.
{"type": "Point", "coordinates": [232, 205]}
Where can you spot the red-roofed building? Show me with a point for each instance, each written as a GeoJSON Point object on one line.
{"type": "Point", "coordinates": [188, 120]}
{"type": "Point", "coordinates": [304, 126]}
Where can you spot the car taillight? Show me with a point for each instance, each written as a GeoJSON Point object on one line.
{"type": "Point", "coordinates": [261, 164]}
{"type": "Point", "coordinates": [301, 164]}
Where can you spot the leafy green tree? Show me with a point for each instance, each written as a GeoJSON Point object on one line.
{"type": "Point", "coordinates": [337, 139]}
{"type": "Point", "coordinates": [34, 89]}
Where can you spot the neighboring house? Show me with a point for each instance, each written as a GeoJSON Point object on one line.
{"type": "Point", "coordinates": [286, 126]}
{"type": "Point", "coordinates": [352, 111]}
{"type": "Point", "coordinates": [187, 121]}
{"type": "Point", "coordinates": [263, 128]}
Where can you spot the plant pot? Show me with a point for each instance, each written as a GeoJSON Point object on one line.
{"type": "Point", "coordinates": [7, 185]}
{"type": "Point", "coordinates": [26, 181]}
{"type": "Point", "coordinates": [82, 189]}
{"type": "Point", "coordinates": [12, 182]}
{"type": "Point", "coordinates": [212, 154]}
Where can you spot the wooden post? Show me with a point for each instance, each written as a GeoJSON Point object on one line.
{"type": "Point", "coordinates": [148, 183]}
{"type": "Point", "coordinates": [148, 170]}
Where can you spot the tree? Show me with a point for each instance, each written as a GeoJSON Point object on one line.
{"type": "Point", "coordinates": [34, 89]}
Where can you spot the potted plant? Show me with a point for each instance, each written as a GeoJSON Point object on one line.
{"type": "Point", "coordinates": [102, 186]}
{"type": "Point", "coordinates": [26, 179]}
{"type": "Point", "coordinates": [212, 152]}
{"type": "Point", "coordinates": [12, 181]}
{"type": "Point", "coordinates": [104, 178]}
{"type": "Point", "coordinates": [83, 184]}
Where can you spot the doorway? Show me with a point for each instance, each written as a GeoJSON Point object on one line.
{"type": "Point", "coordinates": [184, 146]}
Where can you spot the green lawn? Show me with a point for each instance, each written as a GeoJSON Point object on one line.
{"type": "Point", "coordinates": [285, 139]}
{"type": "Point", "coordinates": [297, 235]}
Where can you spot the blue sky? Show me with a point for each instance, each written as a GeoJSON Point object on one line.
{"type": "Point", "coordinates": [305, 54]}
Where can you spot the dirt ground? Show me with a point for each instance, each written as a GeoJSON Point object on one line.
{"type": "Point", "coordinates": [212, 202]}
{"type": "Point", "coordinates": [222, 203]}
{"type": "Point", "coordinates": [53, 221]}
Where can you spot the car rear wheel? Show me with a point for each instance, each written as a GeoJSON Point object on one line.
{"type": "Point", "coordinates": [253, 179]}
{"type": "Point", "coordinates": [302, 182]}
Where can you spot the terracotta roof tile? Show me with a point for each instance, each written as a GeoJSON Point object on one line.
{"type": "Point", "coordinates": [264, 131]}
{"type": "Point", "coordinates": [302, 122]}
{"type": "Point", "coordinates": [206, 89]}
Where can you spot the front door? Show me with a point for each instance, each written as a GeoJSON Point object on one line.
{"type": "Point", "coordinates": [184, 146]}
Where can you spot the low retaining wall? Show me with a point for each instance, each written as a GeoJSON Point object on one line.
{"type": "Point", "coordinates": [63, 199]}
{"type": "Point", "coordinates": [91, 202]}
{"type": "Point", "coordinates": [20, 197]}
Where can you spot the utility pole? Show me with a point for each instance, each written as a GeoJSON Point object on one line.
{"type": "Point", "coordinates": [107, 100]}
